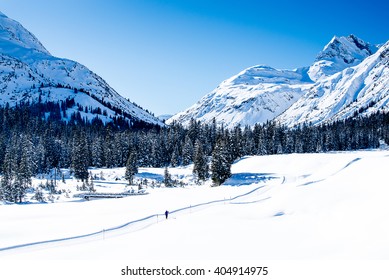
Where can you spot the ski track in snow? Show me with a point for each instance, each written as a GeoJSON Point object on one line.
{"type": "Point", "coordinates": [134, 225]}
{"type": "Point", "coordinates": [333, 174]}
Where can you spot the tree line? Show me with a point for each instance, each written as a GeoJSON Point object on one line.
{"type": "Point", "coordinates": [32, 143]}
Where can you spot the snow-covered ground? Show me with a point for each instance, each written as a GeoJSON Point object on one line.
{"type": "Point", "coordinates": [299, 206]}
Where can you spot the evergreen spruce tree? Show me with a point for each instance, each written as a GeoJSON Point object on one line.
{"type": "Point", "coordinates": [235, 143]}
{"type": "Point", "coordinates": [156, 155]}
{"type": "Point", "coordinates": [187, 151]}
{"type": "Point", "coordinates": [200, 167]}
{"type": "Point", "coordinates": [7, 178]}
{"type": "Point", "coordinates": [109, 147]}
{"type": "Point", "coordinates": [117, 151]}
{"type": "Point", "coordinates": [221, 165]}
{"type": "Point", "coordinates": [52, 152]}
{"type": "Point", "coordinates": [175, 159]}
{"type": "Point", "coordinates": [91, 185]}
{"type": "Point", "coordinates": [80, 160]}
{"type": "Point", "coordinates": [167, 178]}
{"type": "Point", "coordinates": [17, 173]}
{"type": "Point", "coordinates": [39, 157]}
{"type": "Point", "coordinates": [131, 167]}
{"type": "Point", "coordinates": [97, 151]}
{"type": "Point", "coordinates": [24, 170]}
{"type": "Point", "coordinates": [7, 193]}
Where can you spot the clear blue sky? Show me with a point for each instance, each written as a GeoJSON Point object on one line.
{"type": "Point", "coordinates": [166, 55]}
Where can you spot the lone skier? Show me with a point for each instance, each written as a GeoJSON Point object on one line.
{"type": "Point", "coordinates": [166, 214]}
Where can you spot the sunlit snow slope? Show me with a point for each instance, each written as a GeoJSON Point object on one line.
{"type": "Point", "coordinates": [359, 90]}
{"type": "Point", "coordinates": [29, 73]}
{"type": "Point", "coordinates": [257, 94]}
{"type": "Point", "coordinates": [349, 77]}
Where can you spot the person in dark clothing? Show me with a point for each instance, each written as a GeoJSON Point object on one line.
{"type": "Point", "coordinates": [166, 214]}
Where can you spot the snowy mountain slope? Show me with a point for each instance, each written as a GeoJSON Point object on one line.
{"type": "Point", "coordinates": [257, 94]}
{"type": "Point", "coordinates": [359, 90]}
{"type": "Point", "coordinates": [16, 34]}
{"type": "Point", "coordinates": [29, 73]}
{"type": "Point", "coordinates": [338, 54]}
{"type": "Point", "coordinates": [348, 70]}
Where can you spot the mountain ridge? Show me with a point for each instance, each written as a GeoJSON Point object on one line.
{"type": "Point", "coordinates": [357, 90]}
{"type": "Point", "coordinates": [338, 54]}
{"type": "Point", "coordinates": [30, 74]}
{"type": "Point", "coordinates": [261, 93]}
{"type": "Point", "coordinates": [249, 95]}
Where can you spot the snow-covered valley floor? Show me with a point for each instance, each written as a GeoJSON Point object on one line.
{"type": "Point", "coordinates": [299, 206]}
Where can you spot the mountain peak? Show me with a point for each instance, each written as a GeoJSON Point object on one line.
{"type": "Point", "coordinates": [355, 91]}
{"type": "Point", "coordinates": [347, 49]}
{"type": "Point", "coordinates": [16, 38]}
{"type": "Point", "coordinates": [338, 54]}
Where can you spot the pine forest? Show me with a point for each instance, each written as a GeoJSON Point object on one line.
{"type": "Point", "coordinates": [35, 140]}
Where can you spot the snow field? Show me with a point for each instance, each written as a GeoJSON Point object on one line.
{"type": "Point", "coordinates": [329, 206]}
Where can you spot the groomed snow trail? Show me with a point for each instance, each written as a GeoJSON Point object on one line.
{"type": "Point", "coordinates": [138, 224]}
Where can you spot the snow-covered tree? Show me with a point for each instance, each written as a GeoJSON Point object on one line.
{"type": "Point", "coordinates": [175, 159]}
{"type": "Point", "coordinates": [17, 169]}
{"type": "Point", "coordinates": [7, 180]}
{"type": "Point", "coordinates": [221, 165]}
{"type": "Point", "coordinates": [167, 178]}
{"type": "Point", "coordinates": [131, 167]}
{"type": "Point", "coordinates": [200, 167]}
{"type": "Point", "coordinates": [80, 159]}
{"type": "Point", "coordinates": [25, 167]}
{"type": "Point", "coordinates": [187, 151]}
{"type": "Point", "coordinates": [97, 151]}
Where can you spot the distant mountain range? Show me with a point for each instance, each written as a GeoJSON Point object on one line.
{"type": "Point", "coordinates": [30, 74]}
{"type": "Point", "coordinates": [348, 78]}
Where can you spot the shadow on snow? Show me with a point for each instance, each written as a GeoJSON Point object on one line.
{"type": "Point", "coordinates": [148, 175]}
{"type": "Point", "coordinates": [239, 179]}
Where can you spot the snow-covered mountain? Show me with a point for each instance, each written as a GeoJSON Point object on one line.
{"type": "Point", "coordinates": [257, 94]}
{"type": "Point", "coordinates": [29, 73]}
{"type": "Point", "coordinates": [359, 90]}
{"type": "Point", "coordinates": [338, 54]}
{"type": "Point", "coordinates": [349, 76]}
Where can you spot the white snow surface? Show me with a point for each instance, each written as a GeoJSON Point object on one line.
{"type": "Point", "coordinates": [300, 206]}
{"type": "Point", "coordinates": [29, 72]}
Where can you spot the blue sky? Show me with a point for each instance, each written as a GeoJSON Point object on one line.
{"type": "Point", "coordinates": [166, 55]}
